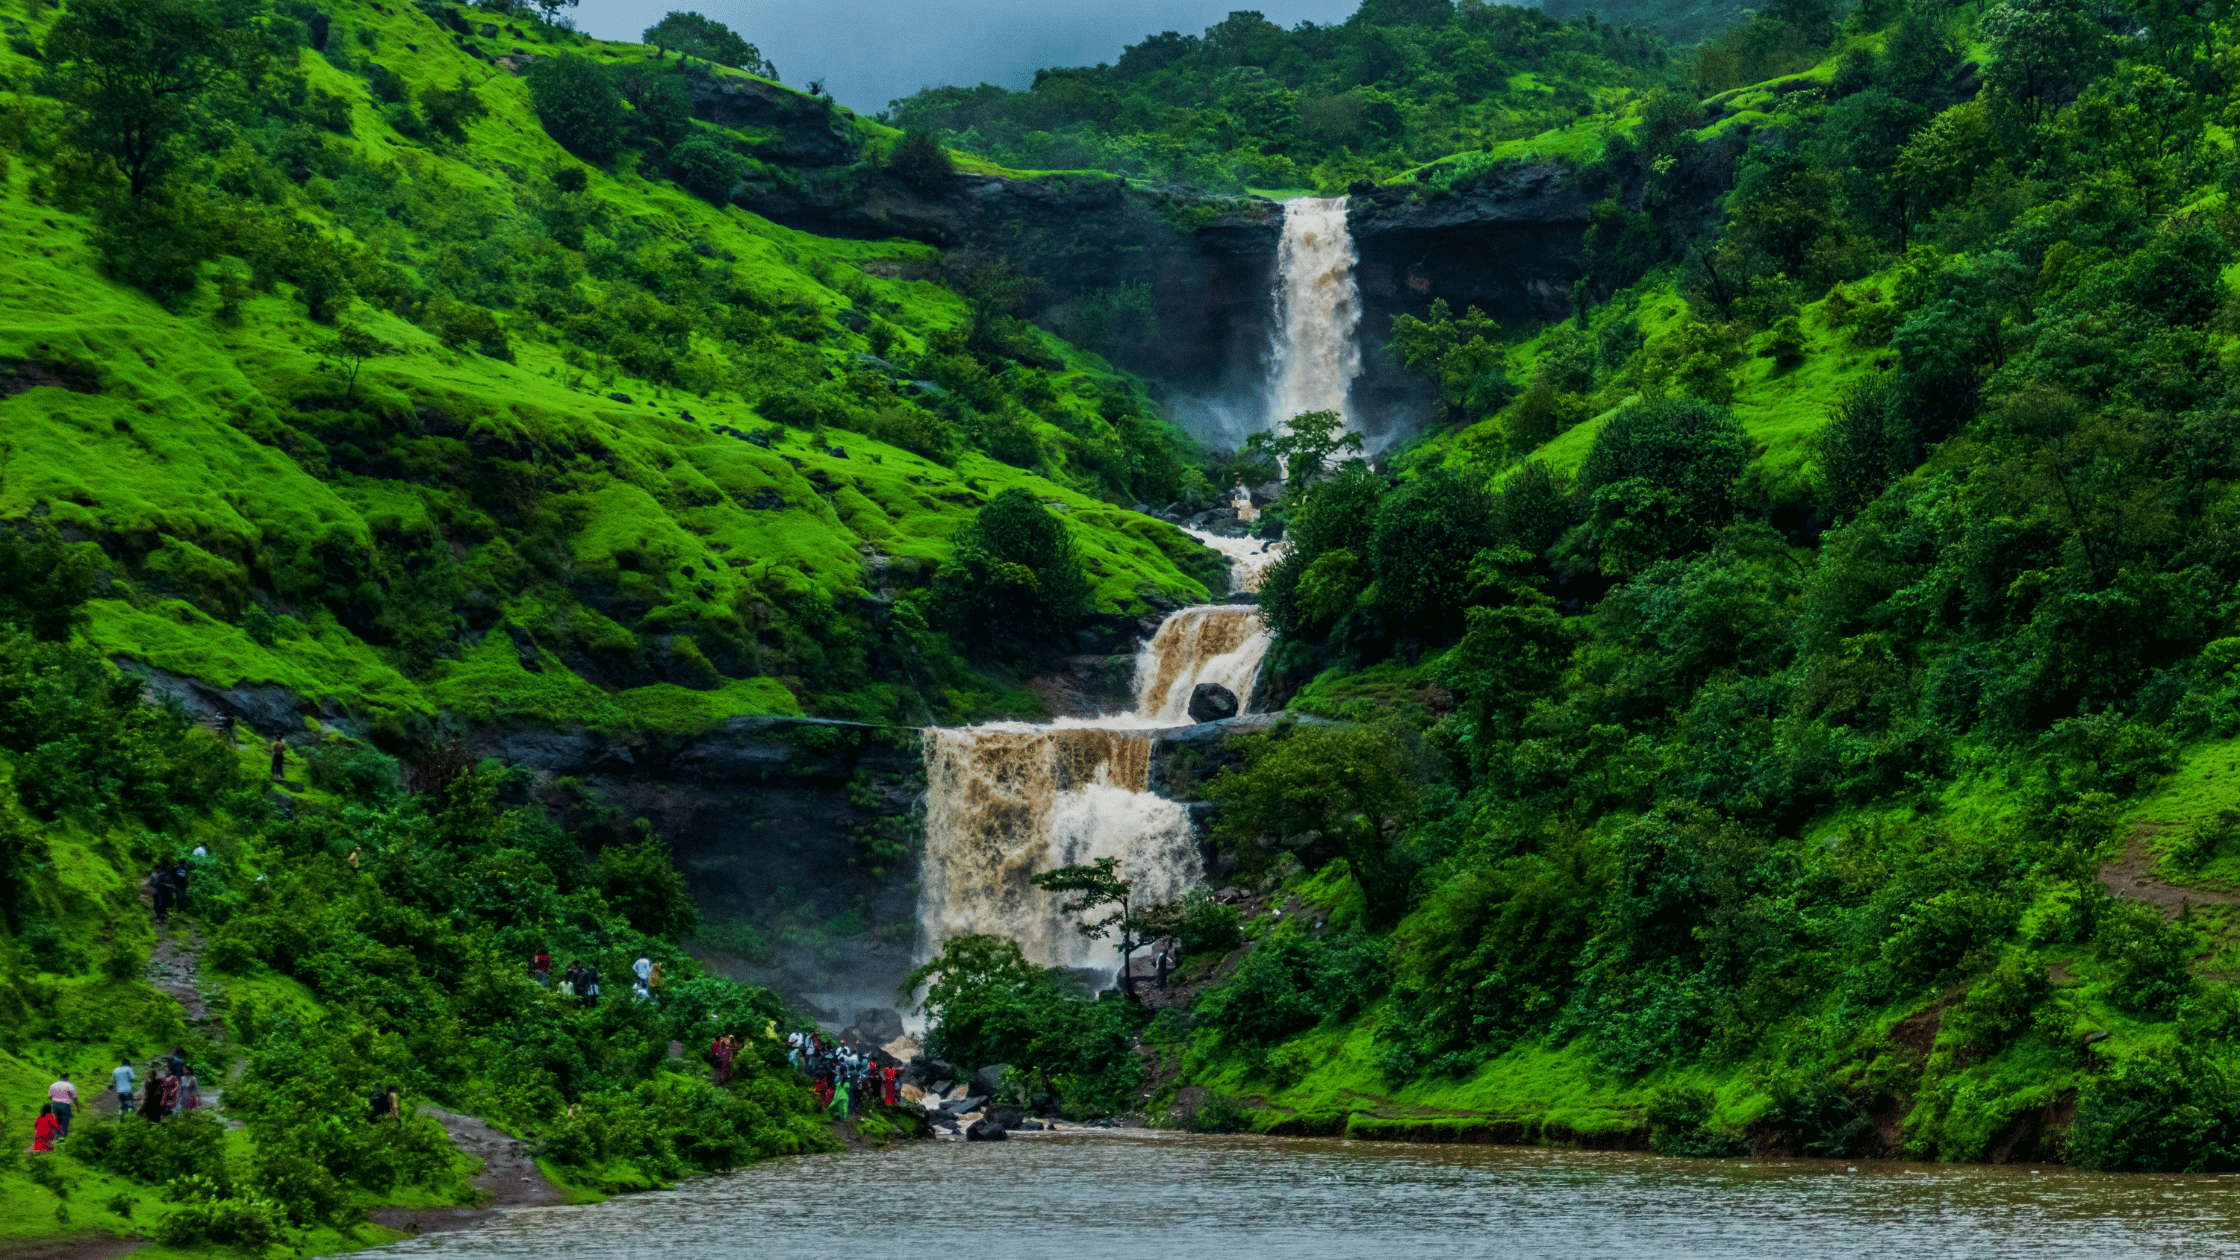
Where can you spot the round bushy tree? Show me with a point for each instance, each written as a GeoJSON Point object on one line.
{"type": "Point", "coordinates": [1659, 482]}
{"type": "Point", "coordinates": [1014, 581]}
{"type": "Point", "coordinates": [1426, 534]}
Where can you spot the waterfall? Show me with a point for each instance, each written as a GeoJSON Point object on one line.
{"type": "Point", "coordinates": [1008, 800]}
{"type": "Point", "coordinates": [1318, 307]}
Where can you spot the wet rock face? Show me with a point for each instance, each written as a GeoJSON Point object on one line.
{"type": "Point", "coordinates": [767, 818]}
{"type": "Point", "coordinates": [1511, 246]}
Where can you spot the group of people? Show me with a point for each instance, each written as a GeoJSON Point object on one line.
{"type": "Point", "coordinates": [843, 1076]}
{"type": "Point", "coordinates": [582, 983]}
{"type": "Point", "coordinates": [170, 1089]}
{"type": "Point", "coordinates": [169, 887]}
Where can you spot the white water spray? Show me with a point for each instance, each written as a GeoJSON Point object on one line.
{"type": "Point", "coordinates": [1316, 353]}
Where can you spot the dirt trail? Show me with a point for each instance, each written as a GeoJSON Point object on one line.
{"type": "Point", "coordinates": [509, 1176]}
{"type": "Point", "coordinates": [2130, 876]}
{"type": "Point", "coordinates": [95, 1247]}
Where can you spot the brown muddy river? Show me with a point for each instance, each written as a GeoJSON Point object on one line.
{"type": "Point", "coordinates": [1166, 1196]}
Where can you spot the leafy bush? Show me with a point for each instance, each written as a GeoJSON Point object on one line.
{"type": "Point", "coordinates": [2177, 1111]}
{"type": "Point", "coordinates": [1292, 982]}
{"type": "Point", "coordinates": [207, 1214]}
{"type": "Point", "coordinates": [1013, 579]}
{"type": "Point", "coordinates": [1682, 1121]}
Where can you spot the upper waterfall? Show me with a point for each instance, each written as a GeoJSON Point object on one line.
{"type": "Point", "coordinates": [1317, 352]}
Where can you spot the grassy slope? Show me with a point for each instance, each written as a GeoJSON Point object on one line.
{"type": "Point", "coordinates": [167, 459]}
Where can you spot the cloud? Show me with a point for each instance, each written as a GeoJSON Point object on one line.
{"type": "Point", "coordinates": [869, 52]}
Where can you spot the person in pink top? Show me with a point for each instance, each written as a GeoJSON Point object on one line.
{"type": "Point", "coordinates": [64, 1096]}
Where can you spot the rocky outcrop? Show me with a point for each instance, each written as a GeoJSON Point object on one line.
{"type": "Point", "coordinates": [788, 824]}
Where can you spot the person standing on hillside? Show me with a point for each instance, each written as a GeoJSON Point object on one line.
{"type": "Point", "coordinates": [540, 965]}
{"type": "Point", "coordinates": [171, 1093]}
{"type": "Point", "coordinates": [63, 1096]}
{"type": "Point", "coordinates": [190, 1092]}
{"type": "Point", "coordinates": [151, 1098]}
{"type": "Point", "coordinates": [279, 760]}
{"type": "Point", "coordinates": [161, 887]}
{"type": "Point", "coordinates": [182, 875]}
{"type": "Point", "coordinates": [123, 1079]}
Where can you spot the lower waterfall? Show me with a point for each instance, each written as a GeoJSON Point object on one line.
{"type": "Point", "coordinates": [1008, 800]}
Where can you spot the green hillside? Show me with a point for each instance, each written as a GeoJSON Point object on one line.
{"type": "Point", "coordinates": [1785, 706]}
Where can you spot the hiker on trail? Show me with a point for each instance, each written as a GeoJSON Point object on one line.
{"type": "Point", "coordinates": [1166, 960]}
{"type": "Point", "coordinates": [151, 1098]}
{"type": "Point", "coordinates": [171, 1094]}
{"type": "Point", "coordinates": [181, 876]}
{"type": "Point", "coordinates": [279, 760]}
{"type": "Point", "coordinates": [653, 981]}
{"type": "Point", "coordinates": [540, 965]}
{"type": "Point", "coordinates": [45, 1130]}
{"type": "Point", "coordinates": [63, 1097]}
{"type": "Point", "coordinates": [160, 884]}
{"type": "Point", "coordinates": [384, 1104]}
{"type": "Point", "coordinates": [190, 1092]}
{"type": "Point", "coordinates": [639, 992]}
{"type": "Point", "coordinates": [893, 1090]}
{"type": "Point", "coordinates": [123, 1079]}
{"type": "Point", "coordinates": [722, 1052]}
{"type": "Point", "coordinates": [177, 1063]}
{"type": "Point", "coordinates": [588, 985]}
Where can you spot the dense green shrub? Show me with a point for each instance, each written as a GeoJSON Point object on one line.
{"type": "Point", "coordinates": [2169, 1112]}
{"type": "Point", "coordinates": [1014, 579]}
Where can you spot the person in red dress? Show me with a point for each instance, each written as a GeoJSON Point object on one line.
{"type": "Point", "coordinates": [45, 1130]}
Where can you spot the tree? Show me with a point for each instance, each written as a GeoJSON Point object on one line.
{"type": "Point", "coordinates": [1327, 791]}
{"type": "Point", "coordinates": [708, 166]}
{"type": "Point", "coordinates": [643, 885]}
{"type": "Point", "coordinates": [1427, 533]}
{"type": "Point", "coordinates": [347, 352]}
{"type": "Point", "coordinates": [920, 161]}
{"type": "Point", "coordinates": [551, 8]}
{"type": "Point", "coordinates": [449, 110]}
{"type": "Point", "coordinates": [1305, 446]}
{"type": "Point", "coordinates": [1014, 580]}
{"type": "Point", "coordinates": [44, 582]}
{"type": "Point", "coordinates": [131, 73]}
{"type": "Point", "coordinates": [2041, 52]}
{"type": "Point", "coordinates": [578, 104]}
{"type": "Point", "coordinates": [1659, 482]}
{"type": "Point", "coordinates": [1092, 887]}
{"type": "Point", "coordinates": [692, 35]}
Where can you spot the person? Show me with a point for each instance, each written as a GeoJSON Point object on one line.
{"type": "Point", "coordinates": [654, 981]}
{"type": "Point", "coordinates": [123, 1079]}
{"type": "Point", "coordinates": [160, 885]}
{"type": "Point", "coordinates": [279, 760]}
{"type": "Point", "coordinates": [384, 1104]}
{"type": "Point", "coordinates": [588, 985]}
{"type": "Point", "coordinates": [1166, 961]}
{"type": "Point", "coordinates": [151, 1098]}
{"type": "Point", "coordinates": [643, 969]}
{"type": "Point", "coordinates": [171, 1093]}
{"type": "Point", "coordinates": [571, 980]}
{"type": "Point", "coordinates": [190, 1092]}
{"type": "Point", "coordinates": [177, 1063]}
{"type": "Point", "coordinates": [540, 964]}
{"type": "Point", "coordinates": [639, 992]}
{"type": "Point", "coordinates": [894, 1088]}
{"type": "Point", "coordinates": [44, 1130]}
{"type": "Point", "coordinates": [63, 1097]}
{"type": "Point", "coordinates": [722, 1051]}
{"type": "Point", "coordinates": [181, 876]}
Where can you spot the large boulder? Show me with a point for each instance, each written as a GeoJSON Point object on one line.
{"type": "Point", "coordinates": [989, 1080]}
{"type": "Point", "coordinates": [881, 1024]}
{"type": "Point", "coordinates": [986, 1129]}
{"type": "Point", "coordinates": [1212, 702]}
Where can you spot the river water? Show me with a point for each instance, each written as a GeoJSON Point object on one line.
{"type": "Point", "coordinates": [1161, 1196]}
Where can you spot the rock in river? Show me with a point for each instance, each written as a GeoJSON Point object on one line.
{"type": "Point", "coordinates": [1212, 702]}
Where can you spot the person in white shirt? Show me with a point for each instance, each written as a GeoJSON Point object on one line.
{"type": "Point", "coordinates": [64, 1096]}
{"type": "Point", "coordinates": [123, 1079]}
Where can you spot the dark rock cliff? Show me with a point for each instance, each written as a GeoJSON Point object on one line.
{"type": "Point", "coordinates": [804, 830]}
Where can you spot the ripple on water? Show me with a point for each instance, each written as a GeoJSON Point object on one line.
{"type": "Point", "coordinates": [1173, 1197]}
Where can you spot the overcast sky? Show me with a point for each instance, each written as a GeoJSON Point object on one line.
{"type": "Point", "coordinates": [869, 52]}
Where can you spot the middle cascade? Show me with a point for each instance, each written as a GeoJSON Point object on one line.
{"type": "Point", "coordinates": [1007, 800]}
